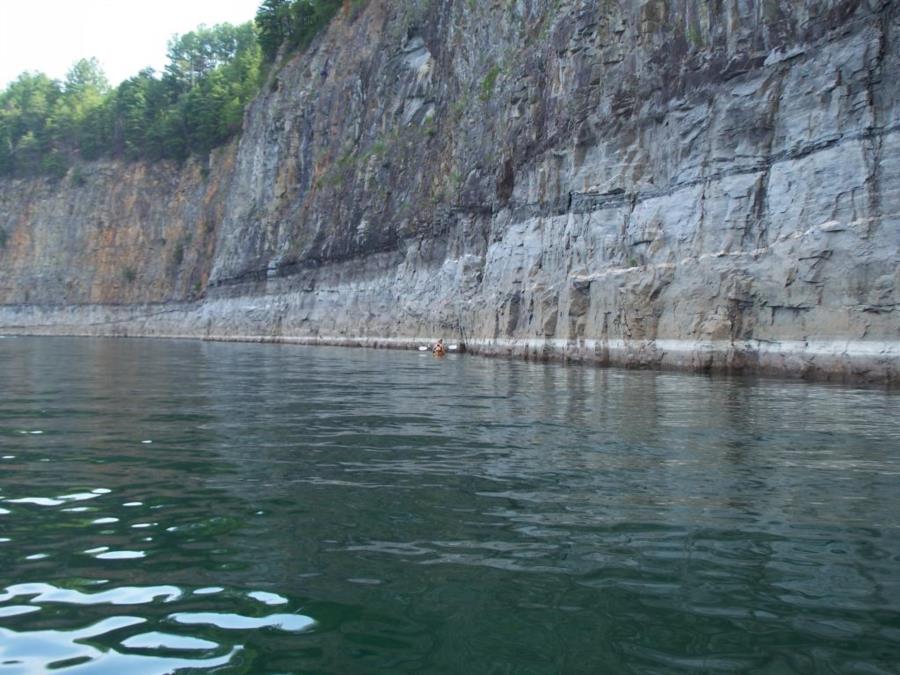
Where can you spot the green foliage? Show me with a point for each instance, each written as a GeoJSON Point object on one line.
{"type": "Point", "coordinates": [487, 85]}
{"type": "Point", "coordinates": [54, 164]}
{"type": "Point", "coordinates": [197, 54]}
{"type": "Point", "coordinates": [196, 104]}
{"type": "Point", "coordinates": [310, 17]}
{"type": "Point", "coordinates": [294, 22]}
{"type": "Point", "coordinates": [26, 123]}
{"type": "Point", "coordinates": [273, 21]}
{"type": "Point", "coordinates": [129, 275]}
{"type": "Point", "coordinates": [695, 36]}
{"type": "Point", "coordinates": [77, 177]}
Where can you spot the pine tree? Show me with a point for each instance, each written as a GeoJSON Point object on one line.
{"type": "Point", "coordinates": [274, 26]}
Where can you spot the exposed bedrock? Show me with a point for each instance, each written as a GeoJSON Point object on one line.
{"type": "Point", "coordinates": [704, 185]}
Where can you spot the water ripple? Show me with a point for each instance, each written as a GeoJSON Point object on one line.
{"type": "Point", "coordinates": [125, 595]}
{"type": "Point", "coordinates": [372, 511]}
{"type": "Point", "coordinates": [287, 622]}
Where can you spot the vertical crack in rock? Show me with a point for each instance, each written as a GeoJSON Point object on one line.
{"type": "Point", "coordinates": [873, 147]}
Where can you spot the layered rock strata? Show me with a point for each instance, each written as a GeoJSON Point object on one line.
{"type": "Point", "coordinates": [704, 185]}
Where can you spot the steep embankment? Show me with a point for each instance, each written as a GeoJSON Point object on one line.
{"type": "Point", "coordinates": [694, 184]}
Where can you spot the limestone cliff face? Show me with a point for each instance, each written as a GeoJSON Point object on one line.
{"type": "Point", "coordinates": [692, 184]}
{"type": "Point", "coordinates": [112, 233]}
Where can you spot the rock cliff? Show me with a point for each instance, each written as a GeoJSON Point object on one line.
{"type": "Point", "coordinates": [706, 185]}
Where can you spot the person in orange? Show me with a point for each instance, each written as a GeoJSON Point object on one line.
{"type": "Point", "coordinates": [439, 349]}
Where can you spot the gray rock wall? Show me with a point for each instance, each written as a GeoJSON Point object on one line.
{"type": "Point", "coordinates": [705, 185]}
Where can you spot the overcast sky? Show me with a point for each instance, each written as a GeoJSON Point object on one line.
{"type": "Point", "coordinates": [124, 35]}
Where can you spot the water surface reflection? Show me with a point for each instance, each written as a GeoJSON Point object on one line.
{"type": "Point", "coordinates": [166, 505]}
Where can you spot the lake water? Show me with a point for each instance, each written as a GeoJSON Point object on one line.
{"type": "Point", "coordinates": [265, 508]}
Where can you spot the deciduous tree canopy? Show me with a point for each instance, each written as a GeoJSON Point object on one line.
{"type": "Point", "coordinates": [293, 22]}
{"type": "Point", "coordinates": [194, 105]}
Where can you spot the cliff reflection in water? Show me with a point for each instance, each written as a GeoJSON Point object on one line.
{"type": "Point", "coordinates": [361, 511]}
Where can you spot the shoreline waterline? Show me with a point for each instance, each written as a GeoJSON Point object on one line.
{"type": "Point", "coordinates": [852, 362]}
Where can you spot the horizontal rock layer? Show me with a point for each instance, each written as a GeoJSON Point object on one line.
{"type": "Point", "coordinates": [705, 185]}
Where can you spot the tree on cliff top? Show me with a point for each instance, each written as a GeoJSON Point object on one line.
{"type": "Point", "coordinates": [26, 107]}
{"type": "Point", "coordinates": [195, 55]}
{"type": "Point", "coordinates": [84, 90]}
{"type": "Point", "coordinates": [195, 105]}
{"type": "Point", "coordinates": [273, 22]}
{"type": "Point", "coordinates": [293, 22]}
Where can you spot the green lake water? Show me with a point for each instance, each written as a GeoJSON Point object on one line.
{"type": "Point", "coordinates": [171, 505]}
